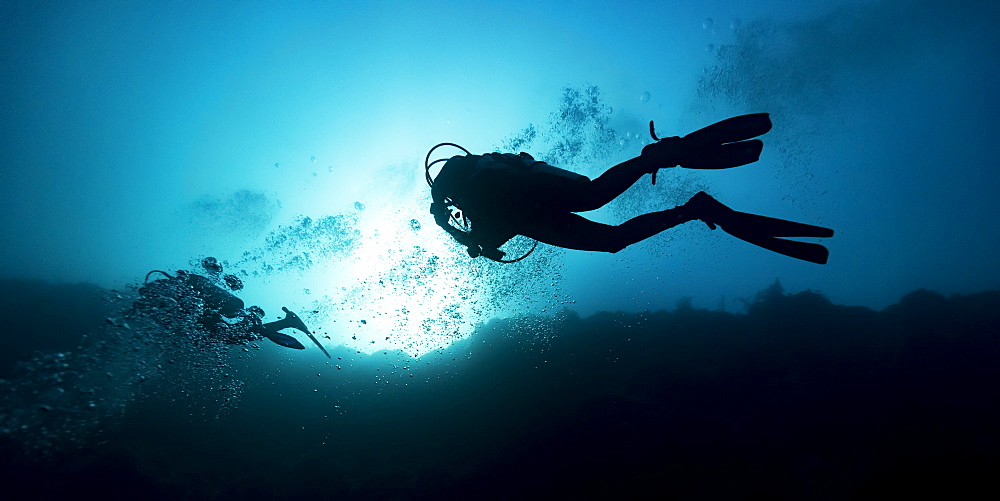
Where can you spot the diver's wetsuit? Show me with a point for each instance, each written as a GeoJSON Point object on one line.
{"type": "Point", "coordinates": [534, 199]}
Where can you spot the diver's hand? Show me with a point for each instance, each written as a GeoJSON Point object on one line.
{"type": "Point", "coordinates": [489, 252]}
{"type": "Point", "coordinates": [494, 254]}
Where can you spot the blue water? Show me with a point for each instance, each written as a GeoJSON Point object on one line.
{"type": "Point", "coordinates": [288, 140]}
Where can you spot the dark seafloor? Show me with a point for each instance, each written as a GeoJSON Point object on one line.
{"type": "Point", "coordinates": [797, 398]}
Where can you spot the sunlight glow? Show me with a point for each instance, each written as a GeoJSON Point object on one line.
{"type": "Point", "coordinates": [401, 293]}
{"type": "Point", "coordinates": [400, 288]}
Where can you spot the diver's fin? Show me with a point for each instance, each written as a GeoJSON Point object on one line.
{"type": "Point", "coordinates": [770, 226]}
{"type": "Point", "coordinates": [725, 144]}
{"type": "Point", "coordinates": [722, 156]}
{"type": "Point", "coordinates": [282, 339]}
{"type": "Point", "coordinates": [730, 130]}
{"type": "Point", "coordinates": [295, 322]}
{"type": "Point", "coordinates": [318, 345]}
{"type": "Point", "coordinates": [721, 145]}
{"type": "Point", "coordinates": [291, 321]}
{"type": "Point", "coordinates": [761, 230]}
{"type": "Point", "coordinates": [814, 253]}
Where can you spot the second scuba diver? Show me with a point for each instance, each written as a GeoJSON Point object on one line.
{"type": "Point", "coordinates": [483, 201]}
{"type": "Point", "coordinates": [218, 312]}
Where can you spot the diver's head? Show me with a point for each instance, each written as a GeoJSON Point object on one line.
{"type": "Point", "coordinates": [454, 177]}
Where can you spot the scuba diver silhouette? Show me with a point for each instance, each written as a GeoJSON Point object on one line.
{"type": "Point", "coordinates": [483, 201]}
{"type": "Point", "coordinates": [219, 312]}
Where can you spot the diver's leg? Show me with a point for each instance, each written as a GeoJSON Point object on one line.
{"type": "Point", "coordinates": [612, 183]}
{"type": "Point", "coordinates": [616, 180]}
{"type": "Point", "coordinates": [579, 194]}
{"type": "Point", "coordinates": [573, 231]}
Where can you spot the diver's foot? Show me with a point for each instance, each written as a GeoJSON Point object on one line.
{"type": "Point", "coordinates": [706, 208]}
{"type": "Point", "coordinates": [667, 152]}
